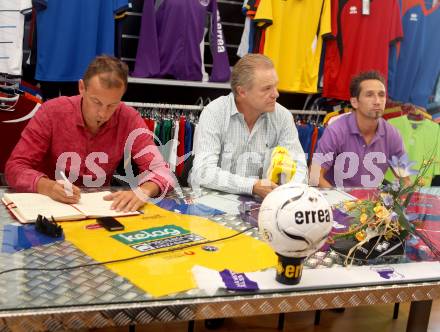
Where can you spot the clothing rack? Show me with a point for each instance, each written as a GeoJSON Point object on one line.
{"type": "Point", "coordinates": [307, 112]}
{"type": "Point", "coordinates": [198, 108]}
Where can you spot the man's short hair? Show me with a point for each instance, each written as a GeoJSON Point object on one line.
{"type": "Point", "coordinates": [355, 84]}
{"type": "Point", "coordinates": [244, 69]}
{"type": "Point", "coordinates": [113, 73]}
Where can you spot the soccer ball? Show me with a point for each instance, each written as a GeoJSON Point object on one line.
{"type": "Point", "coordinates": [295, 220]}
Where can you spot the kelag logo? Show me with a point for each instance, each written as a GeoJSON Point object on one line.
{"type": "Point", "coordinates": [150, 234]}
{"type": "Point", "coordinates": [157, 238]}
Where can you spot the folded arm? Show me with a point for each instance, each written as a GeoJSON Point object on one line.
{"type": "Point", "coordinates": [207, 149]}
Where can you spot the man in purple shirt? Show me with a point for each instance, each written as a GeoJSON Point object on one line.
{"type": "Point", "coordinates": [80, 141]}
{"type": "Point", "coordinates": [355, 150]}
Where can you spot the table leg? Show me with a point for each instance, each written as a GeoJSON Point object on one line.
{"type": "Point", "coordinates": [317, 317]}
{"type": "Point", "coordinates": [191, 326]}
{"type": "Point", "coordinates": [280, 326]}
{"type": "Point", "coordinates": [418, 318]}
{"type": "Point", "coordinates": [396, 310]}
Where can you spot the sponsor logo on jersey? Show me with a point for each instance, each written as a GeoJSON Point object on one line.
{"type": "Point", "coordinates": [220, 41]}
{"type": "Point", "coordinates": [353, 10]}
{"type": "Point", "coordinates": [157, 238]}
{"type": "Point", "coordinates": [414, 17]}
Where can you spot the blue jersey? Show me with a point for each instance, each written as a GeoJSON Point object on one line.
{"type": "Point", "coordinates": [415, 68]}
{"type": "Point", "coordinates": [173, 45]}
{"type": "Point", "coordinates": [430, 66]}
{"type": "Point", "coordinates": [71, 34]}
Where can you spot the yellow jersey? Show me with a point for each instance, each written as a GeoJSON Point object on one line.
{"type": "Point", "coordinates": [294, 38]}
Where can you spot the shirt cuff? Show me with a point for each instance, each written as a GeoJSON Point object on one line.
{"type": "Point", "coordinates": [247, 186]}
{"type": "Point", "coordinates": [36, 179]}
{"type": "Point", "coordinates": [164, 185]}
{"type": "Point", "coordinates": [301, 176]}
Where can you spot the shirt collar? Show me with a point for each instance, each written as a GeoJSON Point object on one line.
{"type": "Point", "coordinates": [77, 101]}
{"type": "Point", "coordinates": [233, 108]}
{"type": "Point", "coordinates": [354, 128]}
{"type": "Point", "coordinates": [235, 111]}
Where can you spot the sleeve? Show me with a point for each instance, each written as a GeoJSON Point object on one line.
{"type": "Point", "coordinates": [328, 148]}
{"type": "Point", "coordinates": [397, 146]}
{"type": "Point", "coordinates": [147, 55]}
{"type": "Point", "coordinates": [21, 170]}
{"type": "Point", "coordinates": [146, 155]}
{"type": "Point", "coordinates": [325, 24]}
{"type": "Point", "coordinates": [396, 30]}
{"type": "Point", "coordinates": [263, 15]}
{"type": "Point", "coordinates": [221, 71]}
{"type": "Point", "coordinates": [290, 140]}
{"type": "Point", "coordinates": [120, 7]}
{"type": "Point", "coordinates": [335, 11]}
{"type": "Point", "coordinates": [39, 5]}
{"type": "Point", "coordinates": [207, 150]}
{"type": "Point", "coordinates": [25, 6]}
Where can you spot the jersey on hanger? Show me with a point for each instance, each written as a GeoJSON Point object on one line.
{"type": "Point", "coordinates": [13, 123]}
{"type": "Point", "coordinates": [421, 140]}
{"type": "Point", "coordinates": [70, 34]}
{"type": "Point", "coordinates": [11, 34]}
{"type": "Point", "coordinates": [176, 41]}
{"type": "Point", "coordinates": [415, 67]}
{"type": "Point", "coordinates": [293, 40]}
{"type": "Point", "coordinates": [359, 42]}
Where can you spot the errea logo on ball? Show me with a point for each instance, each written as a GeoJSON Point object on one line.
{"type": "Point", "coordinates": [150, 234]}
{"type": "Point", "coordinates": [312, 217]}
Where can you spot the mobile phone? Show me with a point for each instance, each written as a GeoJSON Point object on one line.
{"type": "Point", "coordinates": [110, 224]}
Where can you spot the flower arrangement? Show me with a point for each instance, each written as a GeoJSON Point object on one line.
{"type": "Point", "coordinates": [383, 217]}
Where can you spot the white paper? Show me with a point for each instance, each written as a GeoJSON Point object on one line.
{"type": "Point", "coordinates": [334, 196]}
{"type": "Point", "coordinates": [226, 203]}
{"type": "Point", "coordinates": [30, 205]}
{"type": "Point", "coordinates": [94, 205]}
{"type": "Point", "coordinates": [335, 277]}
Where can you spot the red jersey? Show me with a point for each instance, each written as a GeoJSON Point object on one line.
{"type": "Point", "coordinates": [359, 42]}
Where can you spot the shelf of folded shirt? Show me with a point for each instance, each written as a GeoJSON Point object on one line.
{"type": "Point", "coordinates": [96, 296]}
{"type": "Point", "coordinates": [163, 81]}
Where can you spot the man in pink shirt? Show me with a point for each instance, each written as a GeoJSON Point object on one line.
{"type": "Point", "coordinates": [82, 139]}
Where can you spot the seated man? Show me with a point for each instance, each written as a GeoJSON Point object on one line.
{"type": "Point", "coordinates": [237, 133]}
{"type": "Point", "coordinates": [355, 150]}
{"type": "Point", "coordinates": [84, 138]}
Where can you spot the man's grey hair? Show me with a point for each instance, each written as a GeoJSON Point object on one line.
{"type": "Point", "coordinates": [244, 69]}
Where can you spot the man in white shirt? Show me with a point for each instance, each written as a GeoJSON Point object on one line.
{"type": "Point", "coordinates": [237, 133]}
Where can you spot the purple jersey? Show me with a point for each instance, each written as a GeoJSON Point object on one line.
{"type": "Point", "coordinates": [147, 56]}
{"type": "Point", "coordinates": [171, 40]}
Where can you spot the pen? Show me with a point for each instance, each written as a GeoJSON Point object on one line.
{"type": "Point", "coordinates": [63, 175]}
{"type": "Point", "coordinates": [67, 185]}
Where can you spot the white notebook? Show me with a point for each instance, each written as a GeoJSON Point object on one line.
{"type": "Point", "coordinates": [27, 206]}
{"type": "Point", "coordinates": [335, 196]}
